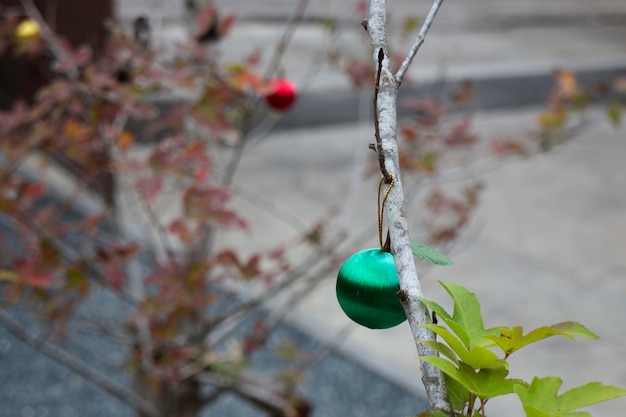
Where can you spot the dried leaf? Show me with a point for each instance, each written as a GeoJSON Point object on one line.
{"type": "Point", "coordinates": [502, 148]}
{"type": "Point", "coordinates": [464, 94]}
{"type": "Point", "coordinates": [125, 140]}
{"type": "Point", "coordinates": [567, 83]}
{"type": "Point", "coordinates": [460, 135]}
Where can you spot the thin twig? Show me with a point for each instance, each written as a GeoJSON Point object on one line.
{"type": "Point", "coordinates": [75, 365]}
{"type": "Point", "coordinates": [379, 143]}
{"type": "Point", "coordinates": [419, 40]}
{"type": "Point", "coordinates": [261, 392]}
{"type": "Point", "coordinates": [282, 44]}
{"type": "Point", "coordinates": [274, 210]}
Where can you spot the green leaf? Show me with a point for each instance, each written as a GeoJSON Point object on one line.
{"type": "Point", "coordinates": [466, 306]}
{"type": "Point", "coordinates": [467, 314]}
{"type": "Point", "coordinates": [409, 24]}
{"type": "Point", "coordinates": [453, 341]}
{"type": "Point", "coordinates": [447, 318]}
{"type": "Point", "coordinates": [443, 349]}
{"type": "Point", "coordinates": [512, 339]}
{"type": "Point", "coordinates": [541, 399]}
{"type": "Point", "coordinates": [477, 357]}
{"type": "Point", "coordinates": [614, 112]}
{"type": "Point", "coordinates": [441, 312]}
{"type": "Point", "coordinates": [458, 394]}
{"type": "Point", "coordinates": [429, 254]}
{"type": "Point", "coordinates": [572, 328]}
{"type": "Point", "coordinates": [6, 275]}
{"type": "Point", "coordinates": [480, 357]}
{"type": "Point", "coordinates": [328, 23]}
{"type": "Point", "coordinates": [485, 383]}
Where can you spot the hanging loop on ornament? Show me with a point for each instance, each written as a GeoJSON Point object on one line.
{"type": "Point", "coordinates": [381, 207]}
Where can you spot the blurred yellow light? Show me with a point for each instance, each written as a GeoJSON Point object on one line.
{"type": "Point", "coordinates": [27, 29]}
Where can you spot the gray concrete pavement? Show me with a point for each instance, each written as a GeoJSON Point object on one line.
{"type": "Point", "coordinates": [475, 39]}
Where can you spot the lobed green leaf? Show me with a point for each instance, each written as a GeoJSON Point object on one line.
{"type": "Point", "coordinates": [485, 383]}
{"type": "Point", "coordinates": [513, 339]}
{"type": "Point", "coordinates": [458, 394]}
{"type": "Point", "coordinates": [541, 398]}
{"type": "Point", "coordinates": [468, 315]}
{"type": "Point", "coordinates": [442, 348]}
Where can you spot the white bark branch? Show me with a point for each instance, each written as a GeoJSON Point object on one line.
{"type": "Point", "coordinates": [419, 40]}
{"type": "Point", "coordinates": [410, 289]}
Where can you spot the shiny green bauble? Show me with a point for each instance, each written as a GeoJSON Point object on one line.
{"type": "Point", "coordinates": [367, 289]}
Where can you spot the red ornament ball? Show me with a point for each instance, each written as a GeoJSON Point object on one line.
{"type": "Point", "coordinates": [282, 94]}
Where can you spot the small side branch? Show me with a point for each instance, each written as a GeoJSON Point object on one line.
{"type": "Point", "coordinates": [72, 363]}
{"type": "Point", "coordinates": [379, 143]}
{"type": "Point", "coordinates": [419, 40]}
{"type": "Point", "coordinates": [282, 44]}
{"type": "Point", "coordinates": [260, 392]}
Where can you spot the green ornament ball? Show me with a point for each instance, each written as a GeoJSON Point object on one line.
{"type": "Point", "coordinates": [367, 289]}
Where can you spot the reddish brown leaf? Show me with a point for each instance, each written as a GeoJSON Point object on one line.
{"type": "Point", "coordinates": [464, 94]}
{"type": "Point", "coordinates": [206, 18]}
{"type": "Point", "coordinates": [567, 83]}
{"type": "Point", "coordinates": [252, 268]}
{"type": "Point", "coordinates": [207, 204]}
{"type": "Point", "coordinates": [225, 25]}
{"type": "Point", "coordinates": [13, 118]}
{"type": "Point", "coordinates": [460, 135]}
{"type": "Point", "coordinates": [506, 147]}
{"type": "Point", "coordinates": [32, 272]}
{"type": "Point", "coordinates": [408, 132]}
{"type": "Point", "coordinates": [125, 140]}
{"type": "Point", "coordinates": [76, 130]}
{"type": "Point", "coordinates": [437, 201]}
{"type": "Point", "coordinates": [361, 73]}
{"type": "Point", "coordinates": [115, 276]}
{"type": "Point", "coordinates": [150, 187]}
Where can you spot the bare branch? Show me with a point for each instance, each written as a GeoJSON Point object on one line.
{"type": "Point", "coordinates": [281, 46]}
{"type": "Point", "coordinates": [75, 365]}
{"type": "Point", "coordinates": [419, 40]}
{"type": "Point", "coordinates": [260, 392]}
{"type": "Point", "coordinates": [410, 289]}
{"type": "Point", "coordinates": [379, 144]}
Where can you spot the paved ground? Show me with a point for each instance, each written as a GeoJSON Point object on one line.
{"type": "Point", "coordinates": [481, 38]}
